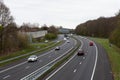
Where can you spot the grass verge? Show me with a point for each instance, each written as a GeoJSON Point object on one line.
{"type": "Point", "coordinates": [63, 60]}
{"type": "Point", "coordinates": [114, 56]}
{"type": "Point", "coordinates": [40, 47]}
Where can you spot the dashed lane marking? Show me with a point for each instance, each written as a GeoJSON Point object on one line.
{"type": "Point", "coordinates": [80, 63]}
{"type": "Point", "coordinates": [27, 67]}
{"type": "Point", "coordinates": [75, 70]}
{"type": "Point", "coordinates": [6, 76]}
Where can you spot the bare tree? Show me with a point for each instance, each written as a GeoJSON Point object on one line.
{"type": "Point", "coordinates": [5, 19]}
{"type": "Point", "coordinates": [44, 27]}
{"type": "Point", "coordinates": [53, 29]}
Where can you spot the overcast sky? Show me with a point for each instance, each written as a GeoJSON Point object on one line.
{"type": "Point", "coordinates": [66, 13]}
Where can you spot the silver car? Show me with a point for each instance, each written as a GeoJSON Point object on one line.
{"type": "Point", "coordinates": [57, 48]}
{"type": "Point", "coordinates": [32, 58]}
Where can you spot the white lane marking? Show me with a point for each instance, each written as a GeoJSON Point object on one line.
{"type": "Point", "coordinates": [50, 62]}
{"type": "Point", "coordinates": [80, 63]}
{"type": "Point", "coordinates": [12, 67]}
{"type": "Point", "coordinates": [75, 42]}
{"type": "Point", "coordinates": [6, 76]}
{"type": "Point", "coordinates": [95, 63]}
{"type": "Point", "coordinates": [21, 63]}
{"type": "Point", "coordinates": [63, 64]}
{"type": "Point", "coordinates": [75, 70]}
{"type": "Point", "coordinates": [27, 67]}
{"type": "Point", "coordinates": [26, 61]}
{"type": "Point", "coordinates": [83, 57]}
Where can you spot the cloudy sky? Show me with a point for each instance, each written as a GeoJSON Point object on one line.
{"type": "Point", "coordinates": [66, 13]}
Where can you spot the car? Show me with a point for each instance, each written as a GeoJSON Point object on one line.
{"type": "Point", "coordinates": [46, 41]}
{"type": "Point", "coordinates": [65, 39]}
{"type": "Point", "coordinates": [90, 43]}
{"type": "Point", "coordinates": [80, 52]}
{"type": "Point", "coordinates": [32, 58]}
{"type": "Point", "coordinates": [68, 41]}
{"type": "Point", "coordinates": [57, 48]}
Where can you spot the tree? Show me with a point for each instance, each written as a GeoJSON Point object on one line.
{"type": "Point", "coordinates": [101, 27]}
{"type": "Point", "coordinates": [28, 27]}
{"type": "Point", "coordinates": [5, 19]}
{"type": "Point", "coordinates": [44, 27]}
{"type": "Point", "coordinates": [115, 36]}
{"type": "Point", "coordinates": [50, 36]}
{"type": "Point", "coordinates": [10, 37]}
{"type": "Point", "coordinates": [53, 29]}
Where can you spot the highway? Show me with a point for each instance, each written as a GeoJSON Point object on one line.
{"type": "Point", "coordinates": [22, 68]}
{"type": "Point", "coordinates": [92, 66]}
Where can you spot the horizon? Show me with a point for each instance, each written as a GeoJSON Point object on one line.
{"type": "Point", "coordinates": [65, 13]}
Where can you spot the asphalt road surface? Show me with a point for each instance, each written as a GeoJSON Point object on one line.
{"type": "Point", "coordinates": [93, 66]}
{"type": "Point", "coordinates": [22, 68]}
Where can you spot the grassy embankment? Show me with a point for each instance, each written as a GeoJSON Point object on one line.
{"type": "Point", "coordinates": [114, 56]}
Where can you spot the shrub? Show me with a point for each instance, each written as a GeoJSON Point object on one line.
{"type": "Point", "coordinates": [23, 41]}
{"type": "Point", "coordinates": [115, 37]}
{"type": "Point", "coordinates": [50, 36]}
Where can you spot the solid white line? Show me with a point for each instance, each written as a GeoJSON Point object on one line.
{"type": "Point", "coordinates": [26, 61]}
{"type": "Point", "coordinates": [6, 76]}
{"type": "Point", "coordinates": [75, 70]}
{"type": "Point", "coordinates": [95, 63]}
{"type": "Point", "coordinates": [75, 42]}
{"type": "Point", "coordinates": [60, 68]}
{"type": "Point", "coordinates": [63, 64]}
{"type": "Point", "coordinates": [27, 67]}
{"type": "Point", "coordinates": [12, 67]}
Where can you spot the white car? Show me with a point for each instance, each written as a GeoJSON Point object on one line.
{"type": "Point", "coordinates": [65, 39]}
{"type": "Point", "coordinates": [46, 41]}
{"type": "Point", "coordinates": [32, 58]}
{"type": "Point", "coordinates": [57, 48]}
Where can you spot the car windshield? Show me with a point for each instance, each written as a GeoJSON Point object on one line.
{"type": "Point", "coordinates": [32, 56]}
{"type": "Point", "coordinates": [80, 50]}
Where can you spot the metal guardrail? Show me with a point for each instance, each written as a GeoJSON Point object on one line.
{"type": "Point", "coordinates": [25, 54]}
{"type": "Point", "coordinates": [36, 74]}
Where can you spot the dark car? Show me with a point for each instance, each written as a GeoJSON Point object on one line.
{"type": "Point", "coordinates": [68, 41]}
{"type": "Point", "coordinates": [80, 52]}
{"type": "Point", "coordinates": [67, 37]}
{"type": "Point", "coordinates": [57, 48]}
{"type": "Point", "coordinates": [90, 43]}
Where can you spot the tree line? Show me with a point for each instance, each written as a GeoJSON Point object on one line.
{"type": "Point", "coordinates": [10, 38]}
{"type": "Point", "coordinates": [105, 27]}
